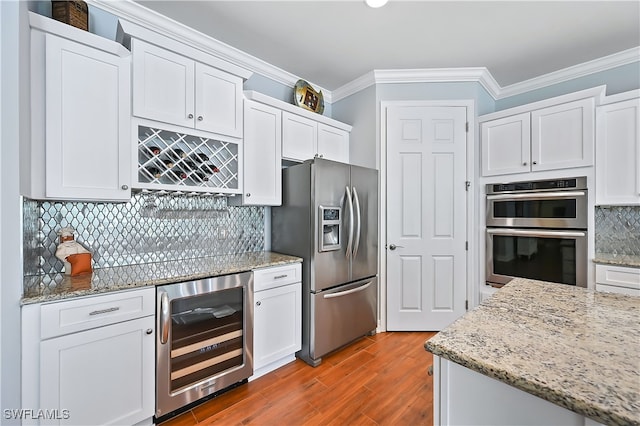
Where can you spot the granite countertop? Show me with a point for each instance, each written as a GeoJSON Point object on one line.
{"type": "Point", "coordinates": [45, 288]}
{"type": "Point", "coordinates": [574, 347]}
{"type": "Point", "coordinates": [617, 259]}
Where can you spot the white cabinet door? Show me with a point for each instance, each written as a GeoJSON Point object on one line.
{"type": "Point", "coordinates": [299, 137]}
{"type": "Point", "coordinates": [163, 85]}
{"type": "Point", "coordinates": [618, 279]}
{"type": "Point", "coordinates": [87, 149]}
{"type": "Point", "coordinates": [562, 136]}
{"type": "Point", "coordinates": [618, 153]}
{"type": "Point", "coordinates": [262, 155]}
{"type": "Point", "coordinates": [218, 101]}
{"type": "Point", "coordinates": [101, 376]}
{"type": "Point", "coordinates": [277, 324]}
{"type": "Point", "coordinates": [333, 143]}
{"type": "Point", "coordinates": [506, 144]}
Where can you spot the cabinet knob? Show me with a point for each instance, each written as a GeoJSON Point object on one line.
{"type": "Point", "coordinates": [430, 370]}
{"type": "Point", "coordinates": [190, 115]}
{"type": "Point", "coordinates": [199, 118]}
{"type": "Point", "coordinates": [149, 331]}
{"type": "Point", "coordinates": [524, 164]}
{"type": "Point", "coordinates": [535, 162]}
{"type": "Point", "coordinates": [248, 194]}
{"type": "Point", "coordinates": [124, 187]}
{"type": "Point", "coordinates": [258, 303]}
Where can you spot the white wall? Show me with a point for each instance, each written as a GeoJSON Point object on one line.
{"type": "Point", "coordinates": [12, 111]}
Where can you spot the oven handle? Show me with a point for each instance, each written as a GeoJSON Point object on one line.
{"type": "Point", "coordinates": [535, 233]}
{"type": "Point", "coordinates": [164, 317]}
{"type": "Point", "coordinates": [538, 196]}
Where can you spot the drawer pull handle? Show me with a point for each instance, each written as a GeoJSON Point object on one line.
{"type": "Point", "coordinates": [277, 277]}
{"type": "Point", "coordinates": [105, 311]}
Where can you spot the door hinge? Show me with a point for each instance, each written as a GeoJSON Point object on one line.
{"type": "Point", "coordinates": [467, 127]}
{"type": "Point", "coordinates": [467, 184]}
{"type": "Point", "coordinates": [466, 245]}
{"type": "Point", "coordinates": [466, 305]}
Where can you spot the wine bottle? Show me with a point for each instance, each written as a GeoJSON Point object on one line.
{"type": "Point", "coordinates": [199, 177]}
{"type": "Point", "coordinates": [179, 174]}
{"type": "Point", "coordinates": [210, 168]}
{"type": "Point", "coordinates": [168, 163]}
{"type": "Point", "coordinates": [154, 150]}
{"type": "Point", "coordinates": [202, 157]}
{"type": "Point", "coordinates": [190, 165]}
{"type": "Point", "coordinates": [153, 171]}
{"type": "Point", "coordinates": [178, 153]}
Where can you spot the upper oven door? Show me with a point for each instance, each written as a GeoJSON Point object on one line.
{"type": "Point", "coordinates": [556, 209]}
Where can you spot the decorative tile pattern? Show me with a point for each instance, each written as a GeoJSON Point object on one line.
{"type": "Point", "coordinates": [618, 230]}
{"type": "Point", "coordinates": [152, 227]}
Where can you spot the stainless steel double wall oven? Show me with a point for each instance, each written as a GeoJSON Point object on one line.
{"type": "Point", "coordinates": [537, 230]}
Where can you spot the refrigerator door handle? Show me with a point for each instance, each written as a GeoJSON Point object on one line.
{"type": "Point", "coordinates": [344, 293]}
{"type": "Point", "coordinates": [350, 239]}
{"type": "Point", "coordinates": [356, 242]}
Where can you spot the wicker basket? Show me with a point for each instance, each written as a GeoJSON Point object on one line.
{"type": "Point", "coordinates": [74, 13]}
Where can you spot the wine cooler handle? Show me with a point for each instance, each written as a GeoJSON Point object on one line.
{"type": "Point", "coordinates": [350, 204]}
{"type": "Point", "coordinates": [164, 318]}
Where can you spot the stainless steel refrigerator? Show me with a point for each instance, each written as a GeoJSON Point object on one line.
{"type": "Point", "coordinates": [329, 217]}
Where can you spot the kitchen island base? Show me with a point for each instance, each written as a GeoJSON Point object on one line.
{"type": "Point", "coordinates": [463, 396]}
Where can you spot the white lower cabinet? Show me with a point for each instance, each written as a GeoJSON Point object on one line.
{"type": "Point", "coordinates": [464, 397]}
{"type": "Point", "coordinates": [277, 330]}
{"type": "Point", "coordinates": [91, 361]}
{"type": "Point", "coordinates": [618, 279]}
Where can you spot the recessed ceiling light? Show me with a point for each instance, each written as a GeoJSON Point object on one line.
{"type": "Point", "coordinates": [376, 3]}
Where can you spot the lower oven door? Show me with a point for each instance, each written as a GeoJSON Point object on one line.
{"type": "Point", "coordinates": [558, 256]}
{"type": "Point", "coordinates": [204, 339]}
{"type": "Point", "coordinates": [342, 314]}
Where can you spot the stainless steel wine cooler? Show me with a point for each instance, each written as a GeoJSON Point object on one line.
{"type": "Point", "coordinates": [204, 339]}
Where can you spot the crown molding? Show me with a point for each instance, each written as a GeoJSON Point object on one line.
{"type": "Point", "coordinates": [151, 20]}
{"type": "Point", "coordinates": [601, 64]}
{"type": "Point", "coordinates": [140, 15]}
{"type": "Point", "coordinates": [425, 75]}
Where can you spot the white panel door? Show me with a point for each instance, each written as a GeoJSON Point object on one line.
{"type": "Point", "coordinates": [218, 101]}
{"type": "Point", "coordinates": [87, 123]}
{"type": "Point", "coordinates": [262, 155]}
{"type": "Point", "coordinates": [618, 153]}
{"type": "Point", "coordinates": [506, 145]}
{"type": "Point", "coordinates": [426, 216]}
{"type": "Point", "coordinates": [299, 137]}
{"type": "Point", "coordinates": [163, 85]}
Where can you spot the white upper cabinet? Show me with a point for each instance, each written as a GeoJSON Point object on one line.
{"type": "Point", "coordinates": [618, 153]}
{"type": "Point", "coordinates": [333, 143]}
{"type": "Point", "coordinates": [174, 89]}
{"type": "Point", "coordinates": [305, 134]}
{"type": "Point", "coordinates": [506, 145]}
{"type": "Point", "coordinates": [80, 116]}
{"type": "Point", "coordinates": [562, 136]}
{"type": "Point", "coordinates": [547, 135]}
{"type": "Point", "coordinates": [262, 155]}
{"type": "Point", "coordinates": [299, 137]}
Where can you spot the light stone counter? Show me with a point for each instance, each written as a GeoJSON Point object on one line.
{"type": "Point", "coordinates": [617, 259]}
{"type": "Point", "coordinates": [571, 346]}
{"type": "Point", "coordinates": [45, 288]}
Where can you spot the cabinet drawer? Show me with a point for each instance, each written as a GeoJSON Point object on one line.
{"type": "Point", "coordinates": [76, 315]}
{"type": "Point", "coordinates": [618, 276]}
{"type": "Point", "coordinates": [276, 276]}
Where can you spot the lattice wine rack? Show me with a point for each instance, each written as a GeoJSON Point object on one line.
{"type": "Point", "coordinates": [177, 161]}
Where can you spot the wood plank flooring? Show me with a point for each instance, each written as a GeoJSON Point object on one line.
{"type": "Point", "coordinates": [377, 380]}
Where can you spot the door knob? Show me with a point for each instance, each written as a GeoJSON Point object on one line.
{"type": "Point", "coordinates": [393, 247]}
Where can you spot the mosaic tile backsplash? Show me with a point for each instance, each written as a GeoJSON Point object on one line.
{"type": "Point", "coordinates": [150, 228]}
{"type": "Point", "coordinates": [618, 230]}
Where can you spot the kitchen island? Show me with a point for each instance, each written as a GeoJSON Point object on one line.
{"type": "Point", "coordinates": [539, 352]}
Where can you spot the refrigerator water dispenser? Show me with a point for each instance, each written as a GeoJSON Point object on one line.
{"type": "Point", "coordinates": [329, 228]}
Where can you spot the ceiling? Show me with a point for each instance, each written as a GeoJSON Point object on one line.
{"type": "Point", "coordinates": [331, 43]}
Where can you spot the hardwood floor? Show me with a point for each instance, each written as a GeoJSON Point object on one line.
{"type": "Point", "coordinates": [377, 380]}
